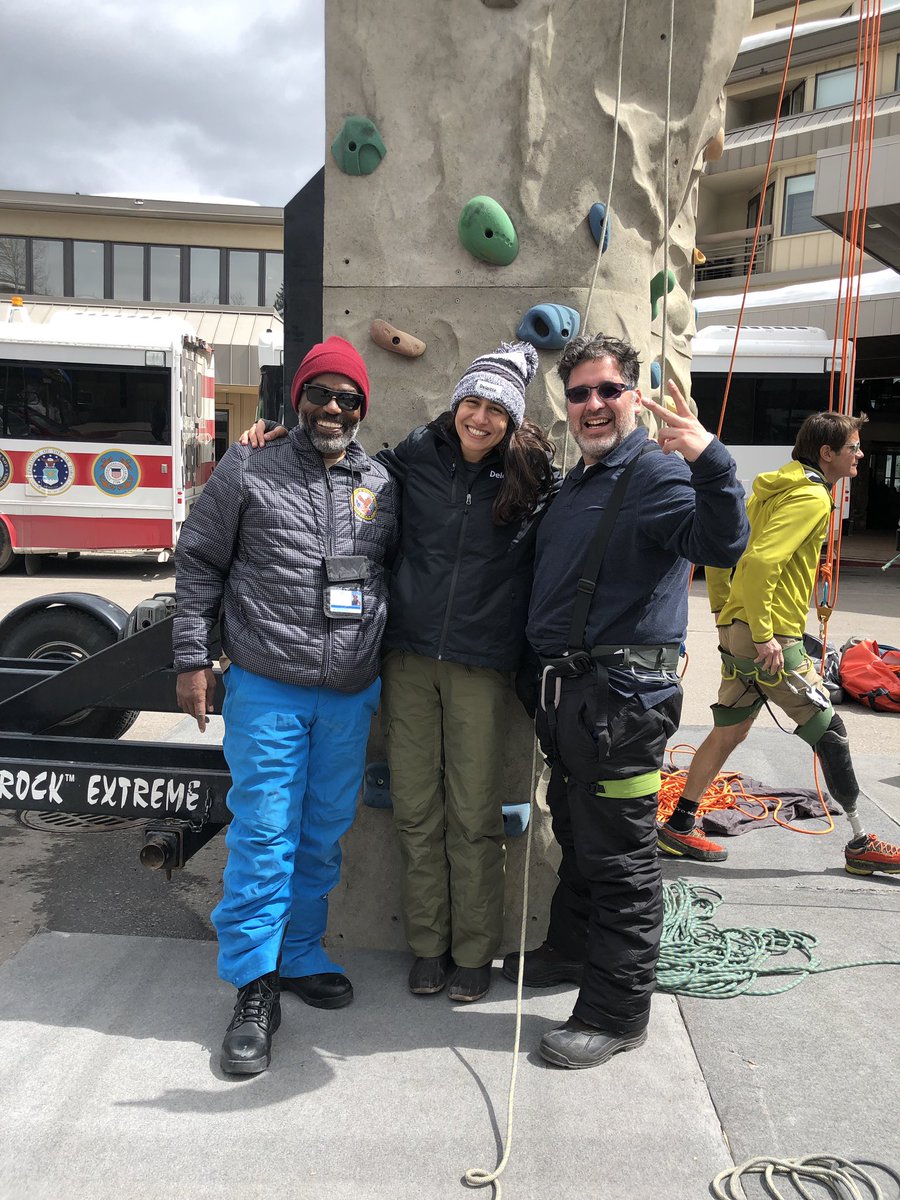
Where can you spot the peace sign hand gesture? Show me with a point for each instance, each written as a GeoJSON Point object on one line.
{"type": "Point", "coordinates": [679, 430]}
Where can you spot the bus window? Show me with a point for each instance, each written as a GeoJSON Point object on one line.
{"type": "Point", "coordinates": [88, 403]}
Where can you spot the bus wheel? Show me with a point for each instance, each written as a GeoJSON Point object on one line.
{"type": "Point", "coordinates": [7, 558]}
{"type": "Point", "coordinates": [70, 635]}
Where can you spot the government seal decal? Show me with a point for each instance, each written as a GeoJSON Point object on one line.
{"type": "Point", "coordinates": [50, 471]}
{"type": "Point", "coordinates": [116, 473]}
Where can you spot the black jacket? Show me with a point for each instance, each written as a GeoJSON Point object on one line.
{"type": "Point", "coordinates": [253, 546]}
{"type": "Point", "coordinates": [461, 584]}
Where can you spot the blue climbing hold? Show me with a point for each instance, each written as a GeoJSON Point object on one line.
{"type": "Point", "coordinates": [655, 375]}
{"type": "Point", "coordinates": [377, 793]}
{"type": "Point", "coordinates": [595, 220]}
{"type": "Point", "coordinates": [549, 326]}
{"type": "Point", "coordinates": [515, 819]}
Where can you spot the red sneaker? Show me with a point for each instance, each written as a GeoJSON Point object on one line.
{"type": "Point", "coordinates": [872, 855]}
{"type": "Point", "coordinates": [689, 845]}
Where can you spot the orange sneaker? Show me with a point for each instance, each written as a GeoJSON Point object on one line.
{"type": "Point", "coordinates": [693, 844]}
{"type": "Point", "coordinates": [870, 854]}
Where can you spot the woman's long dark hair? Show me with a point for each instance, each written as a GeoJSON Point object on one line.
{"type": "Point", "coordinates": [527, 472]}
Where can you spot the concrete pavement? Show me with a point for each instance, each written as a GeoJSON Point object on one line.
{"type": "Point", "coordinates": [112, 1017]}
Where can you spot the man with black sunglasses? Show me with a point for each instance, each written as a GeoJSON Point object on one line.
{"type": "Point", "coordinates": [608, 615]}
{"type": "Point", "coordinates": [291, 546]}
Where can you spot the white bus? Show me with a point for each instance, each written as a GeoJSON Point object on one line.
{"type": "Point", "coordinates": [107, 431]}
{"type": "Point", "coordinates": [781, 375]}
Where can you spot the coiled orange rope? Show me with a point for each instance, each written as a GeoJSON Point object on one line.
{"type": "Point", "coordinates": [727, 790]}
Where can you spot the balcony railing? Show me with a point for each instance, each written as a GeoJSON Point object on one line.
{"type": "Point", "coordinates": [728, 254]}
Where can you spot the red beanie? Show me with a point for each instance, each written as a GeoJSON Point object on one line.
{"type": "Point", "coordinates": [333, 356]}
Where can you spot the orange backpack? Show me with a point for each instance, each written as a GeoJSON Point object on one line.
{"type": "Point", "coordinates": [871, 675]}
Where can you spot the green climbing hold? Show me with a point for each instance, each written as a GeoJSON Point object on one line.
{"type": "Point", "coordinates": [358, 148]}
{"type": "Point", "coordinates": [656, 291]}
{"type": "Point", "coordinates": [487, 232]}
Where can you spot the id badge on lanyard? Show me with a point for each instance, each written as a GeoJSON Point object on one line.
{"type": "Point", "coordinates": [344, 577]}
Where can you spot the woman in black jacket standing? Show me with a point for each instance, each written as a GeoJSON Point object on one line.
{"type": "Point", "coordinates": [475, 483]}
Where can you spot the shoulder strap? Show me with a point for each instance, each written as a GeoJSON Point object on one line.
{"type": "Point", "coordinates": [593, 559]}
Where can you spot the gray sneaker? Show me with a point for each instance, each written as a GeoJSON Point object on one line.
{"type": "Point", "coordinates": [573, 1045]}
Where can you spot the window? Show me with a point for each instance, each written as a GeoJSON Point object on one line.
{"type": "Point", "coordinates": [88, 267]}
{"type": "Point", "coordinates": [137, 273]}
{"type": "Point", "coordinates": [897, 75]}
{"type": "Point", "coordinates": [98, 404]}
{"type": "Point", "coordinates": [835, 87]}
{"type": "Point", "coordinates": [13, 264]}
{"type": "Point", "coordinates": [128, 272]}
{"type": "Point", "coordinates": [763, 410]}
{"type": "Point", "coordinates": [222, 435]}
{"type": "Point", "coordinates": [243, 277]}
{"type": "Point", "coordinates": [792, 102]}
{"type": "Point", "coordinates": [204, 286]}
{"type": "Point", "coordinates": [753, 209]}
{"type": "Point", "coordinates": [274, 276]}
{"type": "Point", "coordinates": [798, 197]}
{"type": "Point", "coordinates": [47, 268]}
{"type": "Point", "coordinates": [165, 274]}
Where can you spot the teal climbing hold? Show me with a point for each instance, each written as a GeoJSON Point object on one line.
{"type": "Point", "coordinates": [377, 789]}
{"type": "Point", "coordinates": [549, 326]}
{"type": "Point", "coordinates": [655, 375]}
{"type": "Point", "coordinates": [595, 220]}
{"type": "Point", "coordinates": [358, 148]}
{"type": "Point", "coordinates": [656, 290]}
{"type": "Point", "coordinates": [487, 232]}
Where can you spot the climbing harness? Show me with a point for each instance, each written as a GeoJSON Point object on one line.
{"type": "Point", "coordinates": [838, 1176]}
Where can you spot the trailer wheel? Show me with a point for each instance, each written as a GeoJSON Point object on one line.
{"type": "Point", "coordinates": [66, 633]}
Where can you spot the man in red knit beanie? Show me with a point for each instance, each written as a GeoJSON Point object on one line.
{"type": "Point", "coordinates": [290, 545]}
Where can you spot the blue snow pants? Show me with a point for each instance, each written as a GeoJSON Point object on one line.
{"type": "Point", "coordinates": [296, 756]}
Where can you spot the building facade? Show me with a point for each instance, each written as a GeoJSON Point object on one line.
{"type": "Point", "coordinates": [794, 279]}
{"type": "Point", "coordinates": [218, 265]}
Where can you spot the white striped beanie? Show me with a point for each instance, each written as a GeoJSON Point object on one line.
{"type": "Point", "coordinates": [500, 377]}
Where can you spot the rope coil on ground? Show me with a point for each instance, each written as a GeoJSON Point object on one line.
{"type": "Point", "coordinates": [838, 1176]}
{"type": "Point", "coordinates": [697, 958]}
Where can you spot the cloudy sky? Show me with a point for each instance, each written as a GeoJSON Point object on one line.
{"type": "Point", "coordinates": [189, 97]}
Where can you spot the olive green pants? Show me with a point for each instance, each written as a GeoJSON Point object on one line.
{"type": "Point", "coordinates": [444, 728]}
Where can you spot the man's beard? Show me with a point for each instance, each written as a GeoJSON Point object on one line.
{"type": "Point", "coordinates": [622, 426]}
{"type": "Point", "coordinates": [331, 443]}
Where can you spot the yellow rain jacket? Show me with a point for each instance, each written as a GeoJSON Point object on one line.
{"type": "Point", "coordinates": [771, 586]}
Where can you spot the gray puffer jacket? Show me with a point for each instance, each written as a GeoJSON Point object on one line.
{"type": "Point", "coordinates": [254, 546]}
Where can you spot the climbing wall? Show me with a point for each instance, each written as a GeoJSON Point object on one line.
{"type": "Point", "coordinates": [434, 104]}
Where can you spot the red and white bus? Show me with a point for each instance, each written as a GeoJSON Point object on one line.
{"type": "Point", "coordinates": [107, 431]}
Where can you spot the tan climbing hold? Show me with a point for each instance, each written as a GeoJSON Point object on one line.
{"type": "Point", "coordinates": [715, 147]}
{"type": "Point", "coordinates": [395, 340]}
{"type": "Point", "coordinates": [699, 257]}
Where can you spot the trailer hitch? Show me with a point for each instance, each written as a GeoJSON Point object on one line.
{"type": "Point", "coordinates": [169, 844]}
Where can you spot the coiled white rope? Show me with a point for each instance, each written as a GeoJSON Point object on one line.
{"type": "Point", "coordinates": [838, 1176]}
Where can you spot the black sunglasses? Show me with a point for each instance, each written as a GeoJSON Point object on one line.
{"type": "Point", "coordinates": [606, 391]}
{"type": "Point", "coordinates": [346, 401]}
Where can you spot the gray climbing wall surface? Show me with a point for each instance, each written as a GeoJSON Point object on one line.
{"type": "Point", "coordinates": [514, 102]}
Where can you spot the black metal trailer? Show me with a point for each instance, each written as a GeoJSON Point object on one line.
{"type": "Point", "coordinates": [75, 671]}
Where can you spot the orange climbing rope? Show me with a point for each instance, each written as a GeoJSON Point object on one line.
{"type": "Point", "coordinates": [727, 790]}
{"type": "Point", "coordinates": [846, 322]}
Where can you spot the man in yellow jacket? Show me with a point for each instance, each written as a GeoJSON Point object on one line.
{"type": "Point", "coordinates": [761, 612]}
